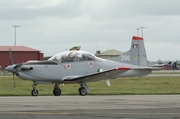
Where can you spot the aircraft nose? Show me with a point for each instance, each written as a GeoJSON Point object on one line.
{"type": "Point", "coordinates": [10, 68]}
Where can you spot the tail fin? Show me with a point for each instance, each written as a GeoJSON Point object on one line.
{"type": "Point", "coordinates": [136, 55]}
{"type": "Point", "coordinates": [169, 64]}
{"type": "Point", "coordinates": [174, 65]}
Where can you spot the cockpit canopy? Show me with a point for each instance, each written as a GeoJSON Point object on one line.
{"type": "Point", "coordinates": [72, 56]}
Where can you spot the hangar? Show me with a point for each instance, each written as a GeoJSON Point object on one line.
{"type": "Point", "coordinates": [108, 54]}
{"type": "Point", "coordinates": [20, 54]}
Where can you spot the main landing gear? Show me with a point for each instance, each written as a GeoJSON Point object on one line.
{"type": "Point", "coordinates": [83, 89]}
{"type": "Point", "coordinates": [57, 90]}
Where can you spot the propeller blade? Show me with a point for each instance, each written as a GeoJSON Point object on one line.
{"type": "Point", "coordinates": [14, 81]}
{"type": "Point", "coordinates": [14, 68]}
{"type": "Point", "coordinates": [10, 56]}
{"type": "Point", "coordinates": [18, 65]}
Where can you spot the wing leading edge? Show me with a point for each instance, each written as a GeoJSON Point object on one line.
{"type": "Point", "coordinates": [96, 76]}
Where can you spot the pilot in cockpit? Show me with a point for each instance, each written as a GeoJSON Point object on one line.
{"type": "Point", "coordinates": [84, 56]}
{"type": "Point", "coordinates": [63, 58]}
{"type": "Point", "coordinates": [71, 57]}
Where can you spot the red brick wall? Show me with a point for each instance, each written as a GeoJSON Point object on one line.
{"type": "Point", "coordinates": [18, 57]}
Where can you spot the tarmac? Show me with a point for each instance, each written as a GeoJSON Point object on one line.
{"type": "Point", "coordinates": [88, 107]}
{"type": "Point", "coordinates": [155, 75]}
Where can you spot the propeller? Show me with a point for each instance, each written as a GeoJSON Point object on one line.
{"type": "Point", "coordinates": [13, 68]}
{"type": "Point", "coordinates": [11, 57]}
{"type": "Point", "coordinates": [12, 62]}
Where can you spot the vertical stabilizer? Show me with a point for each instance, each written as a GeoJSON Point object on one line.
{"type": "Point", "coordinates": [137, 53]}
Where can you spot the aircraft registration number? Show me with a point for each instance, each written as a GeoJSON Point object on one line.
{"type": "Point", "coordinates": [125, 57]}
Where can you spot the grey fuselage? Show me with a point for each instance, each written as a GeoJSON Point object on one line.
{"type": "Point", "coordinates": [50, 71]}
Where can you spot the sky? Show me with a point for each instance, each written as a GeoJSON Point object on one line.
{"type": "Point", "coordinates": [53, 26]}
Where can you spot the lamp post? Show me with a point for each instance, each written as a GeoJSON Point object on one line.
{"type": "Point", "coordinates": [137, 31]}
{"type": "Point", "coordinates": [142, 30]}
{"type": "Point", "coordinates": [15, 34]}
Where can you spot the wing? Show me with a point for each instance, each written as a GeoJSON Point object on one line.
{"type": "Point", "coordinates": [96, 76]}
{"type": "Point", "coordinates": [155, 68]}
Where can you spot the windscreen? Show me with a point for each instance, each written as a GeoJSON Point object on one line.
{"type": "Point", "coordinates": [72, 56]}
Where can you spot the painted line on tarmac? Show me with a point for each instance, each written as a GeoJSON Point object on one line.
{"type": "Point", "coordinates": [82, 113]}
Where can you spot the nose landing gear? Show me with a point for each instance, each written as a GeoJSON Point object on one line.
{"type": "Point", "coordinates": [34, 91]}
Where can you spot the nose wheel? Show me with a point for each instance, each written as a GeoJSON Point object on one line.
{"type": "Point", "coordinates": [34, 91]}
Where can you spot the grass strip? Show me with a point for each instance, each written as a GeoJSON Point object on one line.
{"type": "Point", "coordinates": [125, 86]}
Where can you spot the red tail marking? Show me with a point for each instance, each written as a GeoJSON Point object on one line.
{"type": "Point", "coordinates": [137, 38]}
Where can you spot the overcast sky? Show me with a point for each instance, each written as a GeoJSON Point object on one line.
{"type": "Point", "coordinates": [53, 26]}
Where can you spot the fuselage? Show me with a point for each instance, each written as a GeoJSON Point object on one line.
{"type": "Point", "coordinates": [58, 67]}
{"type": "Point", "coordinates": [51, 71]}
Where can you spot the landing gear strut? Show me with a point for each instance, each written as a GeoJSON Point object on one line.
{"type": "Point", "coordinates": [57, 90]}
{"type": "Point", "coordinates": [34, 91]}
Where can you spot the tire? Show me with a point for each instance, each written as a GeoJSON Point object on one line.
{"type": "Point", "coordinates": [34, 92]}
{"type": "Point", "coordinates": [82, 91]}
{"type": "Point", "coordinates": [57, 92]}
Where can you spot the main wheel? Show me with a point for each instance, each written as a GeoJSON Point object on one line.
{"type": "Point", "coordinates": [34, 92]}
{"type": "Point", "coordinates": [57, 92]}
{"type": "Point", "coordinates": [82, 91]}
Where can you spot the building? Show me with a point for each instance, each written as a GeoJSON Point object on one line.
{"type": "Point", "coordinates": [20, 54]}
{"type": "Point", "coordinates": [108, 54]}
